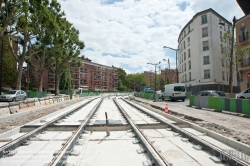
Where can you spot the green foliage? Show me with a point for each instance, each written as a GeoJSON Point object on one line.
{"type": "Point", "coordinates": [65, 80]}
{"type": "Point", "coordinates": [168, 81]}
{"type": "Point", "coordinates": [9, 65]}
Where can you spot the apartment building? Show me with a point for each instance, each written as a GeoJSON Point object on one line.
{"type": "Point", "coordinates": [199, 55]}
{"type": "Point", "coordinates": [89, 76]}
{"type": "Point", "coordinates": [166, 73]}
{"type": "Point", "coordinates": [242, 26]}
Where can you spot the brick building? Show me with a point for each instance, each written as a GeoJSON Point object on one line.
{"type": "Point", "coordinates": [242, 27]}
{"type": "Point", "coordinates": [89, 76]}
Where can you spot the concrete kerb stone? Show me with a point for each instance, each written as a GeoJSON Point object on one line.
{"type": "Point", "coordinates": [228, 141]}
{"type": "Point", "coordinates": [14, 116]}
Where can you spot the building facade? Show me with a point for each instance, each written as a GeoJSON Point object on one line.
{"type": "Point", "coordinates": [89, 76]}
{"type": "Point", "coordinates": [199, 55]}
{"type": "Point", "coordinates": [242, 26]}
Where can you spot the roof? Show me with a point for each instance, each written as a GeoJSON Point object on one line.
{"type": "Point", "coordinates": [244, 5]}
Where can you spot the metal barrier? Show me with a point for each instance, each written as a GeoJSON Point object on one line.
{"type": "Point", "coordinates": [241, 106]}
{"type": "Point", "coordinates": [13, 107]}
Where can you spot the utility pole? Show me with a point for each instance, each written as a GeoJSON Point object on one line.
{"type": "Point", "coordinates": [169, 72]}
{"type": "Point", "coordinates": [1, 67]}
{"type": "Point", "coordinates": [231, 59]}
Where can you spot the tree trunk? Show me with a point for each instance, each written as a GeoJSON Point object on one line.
{"type": "Point", "coordinates": [41, 71]}
{"type": "Point", "coordinates": [40, 88]}
{"type": "Point", "coordinates": [57, 84]}
{"type": "Point", "coordinates": [57, 79]}
{"type": "Point", "coordinates": [20, 63]}
{"type": "Point", "coordinates": [20, 72]}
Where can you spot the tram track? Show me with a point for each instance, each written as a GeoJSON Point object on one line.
{"type": "Point", "coordinates": [130, 134]}
{"type": "Point", "coordinates": [225, 156]}
{"type": "Point", "coordinates": [13, 144]}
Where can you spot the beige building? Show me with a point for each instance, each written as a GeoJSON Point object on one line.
{"type": "Point", "coordinates": [242, 26]}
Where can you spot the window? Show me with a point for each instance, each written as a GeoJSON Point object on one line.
{"type": "Point", "coordinates": [189, 28]}
{"type": "Point", "coordinates": [188, 40]}
{"type": "Point", "coordinates": [220, 22]}
{"type": "Point", "coordinates": [179, 88]}
{"type": "Point", "coordinates": [222, 63]}
{"type": "Point", "coordinates": [204, 19]}
{"type": "Point", "coordinates": [184, 33]}
{"type": "Point", "coordinates": [204, 32]}
{"type": "Point", "coordinates": [205, 46]}
{"type": "Point", "coordinates": [227, 76]}
{"type": "Point", "coordinates": [185, 66]}
{"type": "Point", "coordinates": [189, 54]}
{"type": "Point", "coordinates": [206, 60]}
{"type": "Point", "coordinates": [189, 64]}
{"type": "Point", "coordinates": [185, 78]}
{"type": "Point", "coordinates": [223, 78]}
{"type": "Point", "coordinates": [189, 76]}
{"type": "Point", "coordinates": [243, 34]}
{"type": "Point", "coordinates": [184, 56]}
{"type": "Point", "coordinates": [221, 48]}
{"type": "Point", "coordinates": [206, 74]}
{"type": "Point", "coordinates": [182, 69]}
{"type": "Point", "coordinates": [184, 45]}
{"type": "Point", "coordinates": [220, 34]}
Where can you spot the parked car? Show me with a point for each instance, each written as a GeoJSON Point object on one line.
{"type": "Point", "coordinates": [174, 92]}
{"type": "Point", "coordinates": [159, 93]}
{"type": "Point", "coordinates": [212, 93]}
{"type": "Point", "coordinates": [244, 95]}
{"type": "Point", "coordinates": [13, 95]}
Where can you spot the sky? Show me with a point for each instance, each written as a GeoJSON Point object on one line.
{"type": "Point", "coordinates": [131, 33]}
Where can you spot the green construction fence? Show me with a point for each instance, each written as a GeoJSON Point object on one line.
{"type": "Point", "coordinates": [241, 106]}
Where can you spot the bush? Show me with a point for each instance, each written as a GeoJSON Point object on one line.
{"type": "Point", "coordinates": [35, 89]}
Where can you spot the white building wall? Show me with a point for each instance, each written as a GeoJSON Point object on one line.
{"type": "Point", "coordinates": [197, 53]}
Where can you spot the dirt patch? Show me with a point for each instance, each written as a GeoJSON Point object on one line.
{"type": "Point", "coordinates": [11, 124]}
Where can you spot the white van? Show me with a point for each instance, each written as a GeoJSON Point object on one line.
{"type": "Point", "coordinates": [174, 92]}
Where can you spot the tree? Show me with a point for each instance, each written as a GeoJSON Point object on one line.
{"type": "Point", "coordinates": [9, 13]}
{"type": "Point", "coordinates": [122, 79]}
{"type": "Point", "coordinates": [228, 59]}
{"type": "Point", "coordinates": [24, 26]}
{"type": "Point", "coordinates": [135, 81]}
{"type": "Point", "coordinates": [9, 65]}
{"type": "Point", "coordinates": [65, 80]}
{"type": "Point", "coordinates": [44, 19]}
{"type": "Point", "coordinates": [66, 47]}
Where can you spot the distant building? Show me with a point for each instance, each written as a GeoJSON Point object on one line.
{"type": "Point", "coordinates": [89, 76]}
{"type": "Point", "coordinates": [199, 55]}
{"type": "Point", "coordinates": [165, 74]}
{"type": "Point", "coordinates": [242, 26]}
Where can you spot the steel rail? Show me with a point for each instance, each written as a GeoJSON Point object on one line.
{"type": "Point", "coordinates": [158, 159]}
{"type": "Point", "coordinates": [61, 157]}
{"type": "Point", "coordinates": [213, 149]}
{"type": "Point", "coordinates": [5, 149]}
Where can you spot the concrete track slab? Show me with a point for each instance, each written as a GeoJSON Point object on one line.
{"type": "Point", "coordinates": [178, 152]}
{"type": "Point", "coordinates": [119, 151]}
{"type": "Point", "coordinates": [37, 153]}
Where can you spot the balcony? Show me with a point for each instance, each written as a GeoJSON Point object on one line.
{"type": "Point", "coordinates": [245, 62]}
{"type": "Point", "coordinates": [98, 83]}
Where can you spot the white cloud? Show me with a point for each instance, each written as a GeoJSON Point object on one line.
{"type": "Point", "coordinates": [136, 29]}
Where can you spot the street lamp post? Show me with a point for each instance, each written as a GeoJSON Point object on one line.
{"type": "Point", "coordinates": [176, 50]}
{"type": "Point", "coordinates": [231, 56]}
{"type": "Point", "coordinates": [169, 74]}
{"type": "Point", "coordinates": [1, 67]}
{"type": "Point", "coordinates": [155, 64]}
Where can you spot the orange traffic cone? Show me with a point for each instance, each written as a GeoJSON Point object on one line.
{"type": "Point", "coordinates": [166, 109]}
